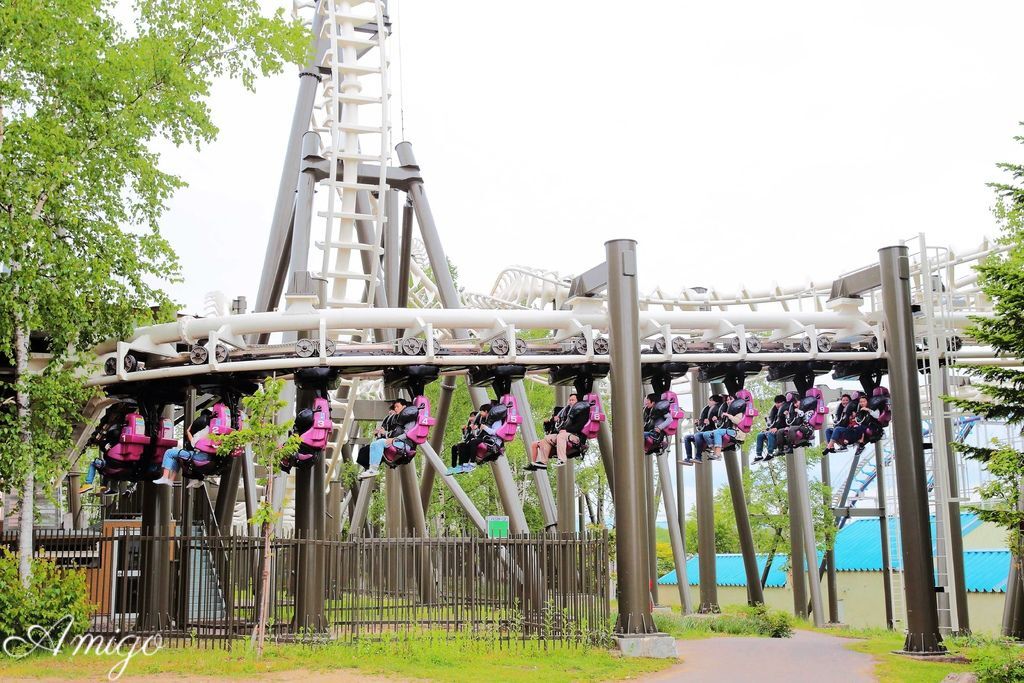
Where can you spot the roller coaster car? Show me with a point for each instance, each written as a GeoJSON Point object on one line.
{"type": "Point", "coordinates": [667, 405]}
{"type": "Point", "coordinates": [313, 425]}
{"type": "Point", "coordinates": [506, 411]}
{"type": "Point", "coordinates": [415, 422]}
{"type": "Point", "coordinates": [880, 401]}
{"type": "Point", "coordinates": [203, 460]}
{"type": "Point", "coordinates": [742, 404]}
{"type": "Point", "coordinates": [584, 420]}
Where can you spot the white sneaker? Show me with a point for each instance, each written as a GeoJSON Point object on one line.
{"type": "Point", "coordinates": [163, 481]}
{"type": "Point", "coordinates": [369, 474]}
{"type": "Point", "coordinates": [194, 484]}
{"type": "Point", "coordinates": [558, 463]}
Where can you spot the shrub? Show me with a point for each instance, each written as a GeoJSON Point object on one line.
{"type": "Point", "coordinates": [743, 621]}
{"type": "Point", "coordinates": [53, 594]}
{"type": "Point", "coordinates": [770, 622]}
{"type": "Point", "coordinates": [999, 664]}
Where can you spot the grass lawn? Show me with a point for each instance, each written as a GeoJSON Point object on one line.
{"type": "Point", "coordinates": [458, 660]}
{"type": "Point", "coordinates": [894, 668]}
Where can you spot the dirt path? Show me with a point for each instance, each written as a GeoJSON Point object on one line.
{"type": "Point", "coordinates": [806, 657]}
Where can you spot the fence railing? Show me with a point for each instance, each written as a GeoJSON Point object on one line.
{"type": "Point", "coordinates": [205, 589]}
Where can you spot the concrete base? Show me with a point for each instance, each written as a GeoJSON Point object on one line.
{"type": "Point", "coordinates": [652, 645]}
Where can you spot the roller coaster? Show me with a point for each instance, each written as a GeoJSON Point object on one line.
{"type": "Point", "coordinates": [350, 304]}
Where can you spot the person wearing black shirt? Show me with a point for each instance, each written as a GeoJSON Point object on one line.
{"type": "Point", "coordinates": [775, 421]}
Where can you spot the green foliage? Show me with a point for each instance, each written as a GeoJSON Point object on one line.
{"type": "Point", "coordinates": [268, 438]}
{"type": "Point", "coordinates": [82, 98]}
{"type": "Point", "coordinates": [53, 594]}
{"type": "Point", "coordinates": [1001, 278]}
{"type": "Point", "coordinates": [737, 621]}
{"type": "Point", "coordinates": [999, 664]}
{"type": "Point", "coordinates": [664, 557]}
{"type": "Point", "coordinates": [57, 398]}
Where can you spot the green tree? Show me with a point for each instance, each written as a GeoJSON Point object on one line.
{"type": "Point", "coordinates": [82, 98]}
{"type": "Point", "coordinates": [270, 443]}
{"type": "Point", "coordinates": [1001, 278]}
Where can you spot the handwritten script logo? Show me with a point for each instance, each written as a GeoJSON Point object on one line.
{"type": "Point", "coordinates": [53, 639]}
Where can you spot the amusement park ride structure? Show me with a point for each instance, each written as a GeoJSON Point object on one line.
{"type": "Point", "coordinates": [374, 303]}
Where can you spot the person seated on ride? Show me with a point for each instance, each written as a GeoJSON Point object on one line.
{"type": "Point", "coordinates": [704, 424]}
{"type": "Point", "coordinates": [775, 421]}
{"type": "Point", "coordinates": [657, 419]}
{"type": "Point", "coordinates": [171, 463]}
{"type": "Point", "coordinates": [795, 430]}
{"type": "Point", "coordinates": [725, 425]}
{"type": "Point", "coordinates": [540, 450]}
{"type": "Point", "coordinates": [459, 457]}
{"type": "Point", "coordinates": [847, 429]}
{"type": "Point", "coordinates": [389, 433]}
{"type": "Point", "coordinates": [485, 434]}
{"type": "Point", "coordinates": [839, 417]}
{"type": "Point", "coordinates": [867, 419]}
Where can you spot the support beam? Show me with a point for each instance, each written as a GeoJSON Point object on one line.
{"type": "Point", "coordinates": [803, 501]}
{"type": "Point", "coordinates": [830, 553]}
{"type": "Point", "coordinates": [650, 496]}
{"type": "Point", "coordinates": [911, 477]}
{"type": "Point", "coordinates": [883, 527]}
{"type": "Point", "coordinates": [796, 546]}
{"type": "Point", "coordinates": [441, 410]}
{"type": "Point", "coordinates": [755, 595]}
{"type": "Point", "coordinates": [956, 532]}
{"type": "Point", "coordinates": [434, 461]}
{"type": "Point", "coordinates": [675, 535]}
{"type": "Point", "coordinates": [706, 553]}
{"type": "Point", "coordinates": [417, 520]}
{"type": "Point", "coordinates": [604, 447]}
{"type": "Point", "coordinates": [634, 615]}
{"type": "Point", "coordinates": [275, 261]}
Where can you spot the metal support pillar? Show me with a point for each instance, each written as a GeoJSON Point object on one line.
{"type": "Point", "coordinates": [604, 446]}
{"type": "Point", "coordinates": [227, 493]}
{"type": "Point", "coordinates": [528, 432]}
{"type": "Point", "coordinates": [414, 509]}
{"type": "Point", "coordinates": [883, 528]}
{"type": "Point", "coordinates": [308, 592]}
{"type": "Point", "coordinates": [249, 489]}
{"type": "Point", "coordinates": [830, 553]}
{"type": "Point", "coordinates": [627, 447]}
{"type": "Point", "coordinates": [796, 552]}
{"type": "Point", "coordinates": [911, 478]}
{"type": "Point", "coordinates": [803, 501]}
{"type": "Point", "coordinates": [275, 261]}
{"type": "Point", "coordinates": [675, 535]}
{"type": "Point", "coordinates": [362, 506]}
{"type": "Point", "coordinates": [444, 404]}
{"type": "Point", "coordinates": [956, 532]}
{"type": "Point", "coordinates": [650, 496]}
{"type": "Point", "coordinates": [75, 501]}
{"type": "Point", "coordinates": [680, 485]}
{"type": "Point", "coordinates": [155, 568]}
{"type": "Point", "coordinates": [755, 595]}
{"type": "Point", "coordinates": [335, 493]}
{"type": "Point", "coordinates": [706, 554]}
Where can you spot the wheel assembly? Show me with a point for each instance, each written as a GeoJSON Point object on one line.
{"type": "Point", "coordinates": [305, 348]}
{"type": "Point", "coordinates": [601, 346]}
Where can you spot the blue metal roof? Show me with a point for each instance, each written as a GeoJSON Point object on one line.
{"type": "Point", "coordinates": [985, 571]}
{"type": "Point", "coordinates": [859, 549]}
{"type": "Point", "coordinates": [859, 545]}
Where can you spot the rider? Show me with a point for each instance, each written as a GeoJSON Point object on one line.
{"type": "Point", "coordinates": [846, 429]}
{"type": "Point", "coordinates": [867, 421]}
{"type": "Point", "coordinates": [838, 417]}
{"type": "Point", "coordinates": [484, 433]}
{"type": "Point", "coordinates": [775, 421]}
{"type": "Point", "coordinates": [458, 450]}
{"type": "Point", "coordinates": [704, 423]}
{"type": "Point", "coordinates": [540, 450]}
{"type": "Point", "coordinates": [655, 425]}
{"type": "Point", "coordinates": [171, 462]}
{"type": "Point", "coordinates": [726, 423]}
{"type": "Point", "coordinates": [388, 434]}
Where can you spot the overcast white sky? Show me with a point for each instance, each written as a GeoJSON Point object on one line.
{"type": "Point", "coordinates": [736, 141]}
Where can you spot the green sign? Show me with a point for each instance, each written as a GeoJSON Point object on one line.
{"type": "Point", "coordinates": [497, 526]}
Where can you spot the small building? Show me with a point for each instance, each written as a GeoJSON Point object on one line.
{"type": "Point", "coordinates": [858, 552]}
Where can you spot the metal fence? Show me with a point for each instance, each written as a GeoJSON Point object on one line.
{"type": "Point", "coordinates": [205, 590]}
